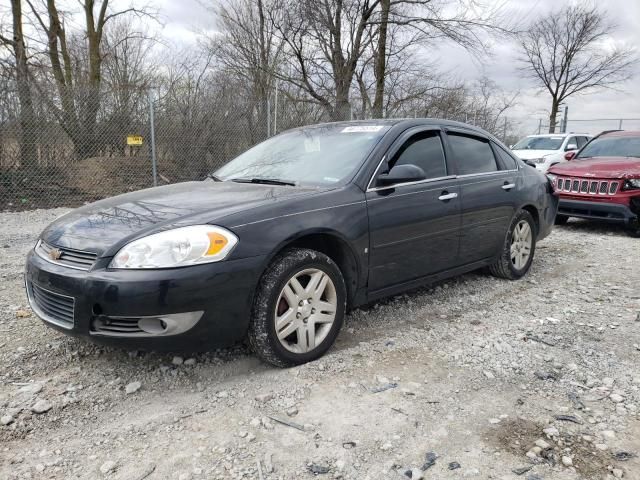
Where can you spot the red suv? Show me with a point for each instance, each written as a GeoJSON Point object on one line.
{"type": "Point", "coordinates": [602, 181]}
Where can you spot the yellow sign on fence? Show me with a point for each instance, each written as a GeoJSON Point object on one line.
{"type": "Point", "coordinates": [135, 140]}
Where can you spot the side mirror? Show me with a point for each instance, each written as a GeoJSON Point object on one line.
{"type": "Point", "coordinates": [530, 163]}
{"type": "Point", "coordinates": [571, 146]}
{"type": "Point", "coordinates": [569, 155]}
{"type": "Point", "coordinates": [402, 174]}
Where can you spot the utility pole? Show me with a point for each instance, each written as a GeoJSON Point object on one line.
{"type": "Point", "coordinates": [275, 111]}
{"type": "Point", "coordinates": [154, 167]}
{"type": "Point", "coordinates": [563, 125]}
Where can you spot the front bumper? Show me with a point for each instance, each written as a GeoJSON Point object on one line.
{"type": "Point", "coordinates": [607, 211]}
{"type": "Point", "coordinates": [222, 291]}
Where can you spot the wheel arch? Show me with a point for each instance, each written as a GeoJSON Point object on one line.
{"type": "Point", "coordinates": [533, 210]}
{"type": "Point", "coordinates": [332, 244]}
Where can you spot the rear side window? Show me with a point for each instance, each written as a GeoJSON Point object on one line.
{"type": "Point", "coordinates": [472, 154]}
{"type": "Point", "coordinates": [425, 151]}
{"type": "Point", "coordinates": [507, 161]}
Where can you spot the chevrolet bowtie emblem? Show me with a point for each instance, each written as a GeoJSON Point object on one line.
{"type": "Point", "coordinates": [55, 254]}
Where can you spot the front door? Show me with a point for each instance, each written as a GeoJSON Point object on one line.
{"type": "Point", "coordinates": [414, 227]}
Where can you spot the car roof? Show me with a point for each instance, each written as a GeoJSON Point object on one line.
{"type": "Point", "coordinates": [404, 122]}
{"type": "Point", "coordinates": [559, 134]}
{"type": "Point", "coordinates": [621, 133]}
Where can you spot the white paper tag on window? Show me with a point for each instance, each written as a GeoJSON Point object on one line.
{"type": "Point", "coordinates": [362, 129]}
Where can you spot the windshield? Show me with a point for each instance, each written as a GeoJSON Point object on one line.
{"type": "Point", "coordinates": [320, 155]}
{"type": "Point", "coordinates": [539, 143]}
{"type": "Point", "coordinates": [612, 147]}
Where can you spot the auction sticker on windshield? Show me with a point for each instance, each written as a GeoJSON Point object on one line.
{"type": "Point", "coordinates": [362, 129]}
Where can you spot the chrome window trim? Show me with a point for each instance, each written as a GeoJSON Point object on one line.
{"type": "Point", "coordinates": [417, 182]}
{"type": "Point", "coordinates": [429, 180]}
{"type": "Point", "coordinates": [485, 174]}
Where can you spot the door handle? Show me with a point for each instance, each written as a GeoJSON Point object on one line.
{"type": "Point", "coordinates": [447, 196]}
{"type": "Point", "coordinates": [508, 186]}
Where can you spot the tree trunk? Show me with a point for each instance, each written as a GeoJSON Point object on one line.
{"type": "Point", "coordinates": [28, 151]}
{"type": "Point", "coordinates": [380, 62]}
{"type": "Point", "coordinates": [553, 115]}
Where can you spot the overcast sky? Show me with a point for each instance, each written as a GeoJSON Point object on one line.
{"type": "Point", "coordinates": [184, 19]}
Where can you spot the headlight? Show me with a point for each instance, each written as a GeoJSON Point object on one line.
{"type": "Point", "coordinates": [177, 248]}
{"type": "Point", "coordinates": [552, 178]}
{"type": "Point", "coordinates": [631, 184]}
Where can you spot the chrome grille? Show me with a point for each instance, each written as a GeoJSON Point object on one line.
{"type": "Point", "coordinates": [67, 257]}
{"type": "Point", "coordinates": [613, 187]}
{"type": "Point", "coordinates": [117, 326]}
{"type": "Point", "coordinates": [587, 187]}
{"type": "Point", "coordinates": [584, 186]}
{"type": "Point", "coordinates": [50, 306]}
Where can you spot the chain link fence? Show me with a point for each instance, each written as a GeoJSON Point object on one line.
{"type": "Point", "coordinates": [592, 126]}
{"type": "Point", "coordinates": [139, 138]}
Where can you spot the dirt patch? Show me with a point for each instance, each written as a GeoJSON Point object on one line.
{"type": "Point", "coordinates": [519, 437]}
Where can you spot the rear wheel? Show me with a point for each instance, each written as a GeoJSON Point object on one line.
{"type": "Point", "coordinates": [519, 248]}
{"type": "Point", "coordinates": [298, 309]}
{"type": "Point", "coordinates": [561, 219]}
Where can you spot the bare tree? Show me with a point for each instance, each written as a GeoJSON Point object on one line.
{"type": "Point", "coordinates": [27, 133]}
{"type": "Point", "coordinates": [76, 65]}
{"type": "Point", "coordinates": [328, 40]}
{"type": "Point", "coordinates": [249, 50]}
{"type": "Point", "coordinates": [564, 52]}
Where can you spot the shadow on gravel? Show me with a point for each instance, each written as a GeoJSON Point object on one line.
{"type": "Point", "coordinates": [593, 227]}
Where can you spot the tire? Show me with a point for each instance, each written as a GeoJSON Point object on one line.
{"type": "Point", "coordinates": [507, 268]}
{"type": "Point", "coordinates": [633, 229]}
{"type": "Point", "coordinates": [561, 220]}
{"type": "Point", "coordinates": [306, 319]}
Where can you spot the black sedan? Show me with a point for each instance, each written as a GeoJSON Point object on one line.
{"type": "Point", "coordinates": [278, 244]}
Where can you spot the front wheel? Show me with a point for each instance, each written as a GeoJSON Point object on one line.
{"type": "Point", "coordinates": [518, 249]}
{"type": "Point", "coordinates": [633, 229]}
{"type": "Point", "coordinates": [298, 309]}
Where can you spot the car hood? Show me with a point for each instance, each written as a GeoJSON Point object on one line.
{"type": "Point", "coordinates": [529, 154]}
{"type": "Point", "coordinates": [601, 167]}
{"type": "Point", "coordinates": [114, 221]}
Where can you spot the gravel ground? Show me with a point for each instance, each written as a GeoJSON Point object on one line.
{"type": "Point", "coordinates": [476, 378]}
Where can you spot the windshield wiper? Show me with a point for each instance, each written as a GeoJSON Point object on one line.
{"type": "Point", "coordinates": [265, 181]}
{"type": "Point", "coordinates": [214, 178]}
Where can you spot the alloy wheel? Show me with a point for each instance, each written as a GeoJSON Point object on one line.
{"type": "Point", "coordinates": [521, 242]}
{"type": "Point", "coordinates": [305, 310]}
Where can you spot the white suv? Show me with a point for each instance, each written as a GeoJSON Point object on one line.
{"type": "Point", "coordinates": [549, 149]}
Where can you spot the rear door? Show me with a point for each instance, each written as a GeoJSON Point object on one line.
{"type": "Point", "coordinates": [414, 227]}
{"type": "Point", "coordinates": [488, 187]}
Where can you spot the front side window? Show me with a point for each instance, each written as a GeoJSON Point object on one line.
{"type": "Point", "coordinates": [473, 155]}
{"type": "Point", "coordinates": [319, 155]}
{"type": "Point", "coordinates": [582, 141]}
{"type": "Point", "coordinates": [612, 147]}
{"type": "Point", "coordinates": [423, 150]}
{"type": "Point", "coordinates": [571, 143]}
